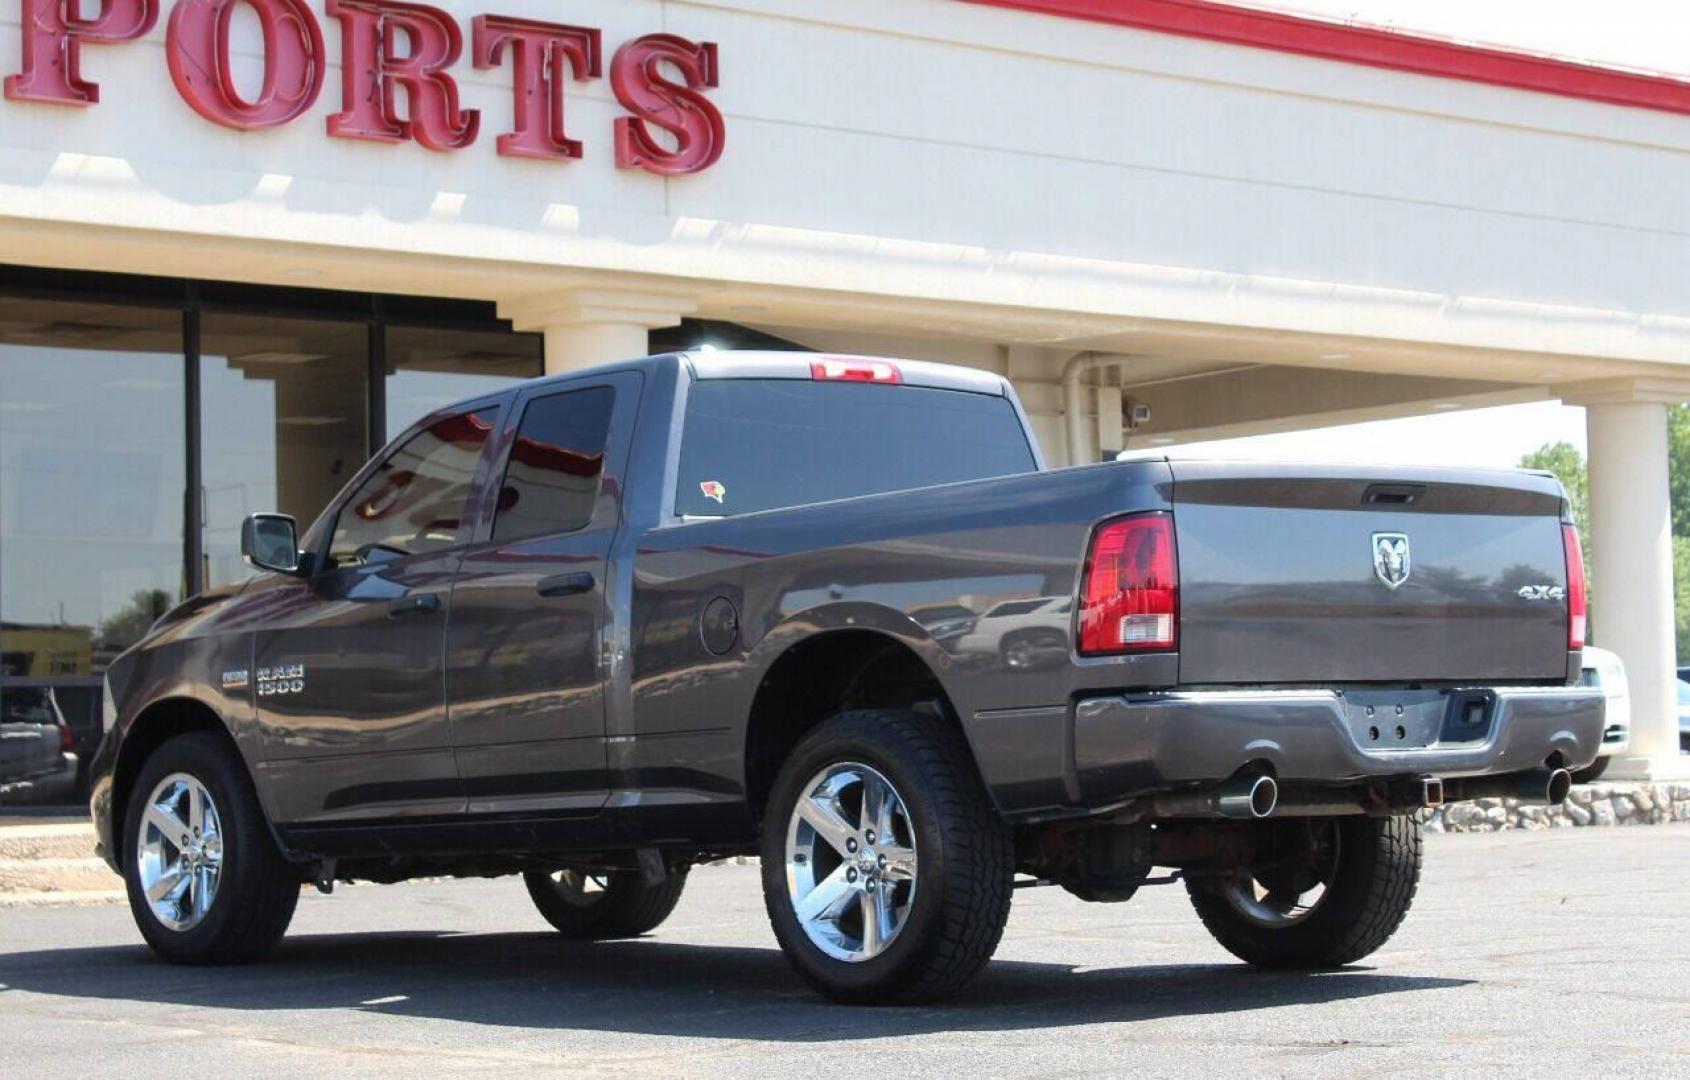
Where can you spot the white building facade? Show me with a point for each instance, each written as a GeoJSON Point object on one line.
{"type": "Point", "coordinates": [245, 240]}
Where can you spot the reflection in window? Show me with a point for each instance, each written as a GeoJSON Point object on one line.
{"type": "Point", "coordinates": [91, 481]}
{"type": "Point", "coordinates": [552, 481]}
{"type": "Point", "coordinates": [417, 501]}
{"type": "Point", "coordinates": [284, 415]}
{"type": "Point", "coordinates": [430, 369]}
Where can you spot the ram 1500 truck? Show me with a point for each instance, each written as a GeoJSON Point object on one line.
{"type": "Point", "coordinates": [602, 627]}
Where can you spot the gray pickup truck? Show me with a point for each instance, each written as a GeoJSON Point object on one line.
{"type": "Point", "coordinates": [602, 627]}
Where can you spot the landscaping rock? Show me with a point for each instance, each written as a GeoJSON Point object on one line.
{"type": "Point", "coordinates": [1586, 805]}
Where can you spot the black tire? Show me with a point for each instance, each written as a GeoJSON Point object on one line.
{"type": "Point", "coordinates": [257, 888]}
{"type": "Point", "coordinates": [1372, 885]}
{"type": "Point", "coordinates": [961, 899]}
{"type": "Point", "coordinates": [1592, 772]}
{"type": "Point", "coordinates": [617, 903]}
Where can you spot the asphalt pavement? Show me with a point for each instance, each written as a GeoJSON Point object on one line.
{"type": "Point", "coordinates": [1527, 954]}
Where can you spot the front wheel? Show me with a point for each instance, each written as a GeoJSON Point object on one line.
{"type": "Point", "coordinates": [207, 883]}
{"type": "Point", "coordinates": [886, 872]}
{"type": "Point", "coordinates": [1317, 893]}
{"type": "Point", "coordinates": [590, 905]}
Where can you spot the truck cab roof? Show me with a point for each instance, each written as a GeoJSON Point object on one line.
{"type": "Point", "coordinates": [771, 364]}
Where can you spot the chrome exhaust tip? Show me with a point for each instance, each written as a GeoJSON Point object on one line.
{"type": "Point", "coordinates": [1536, 785]}
{"type": "Point", "coordinates": [1559, 786]}
{"type": "Point", "coordinates": [1248, 797]}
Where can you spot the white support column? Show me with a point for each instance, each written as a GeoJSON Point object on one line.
{"type": "Point", "coordinates": [590, 326]}
{"type": "Point", "coordinates": [1631, 559]}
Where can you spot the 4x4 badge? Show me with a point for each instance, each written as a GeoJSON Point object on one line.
{"type": "Point", "coordinates": [1390, 558]}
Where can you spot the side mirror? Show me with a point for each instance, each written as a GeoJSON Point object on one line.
{"type": "Point", "coordinates": [271, 542]}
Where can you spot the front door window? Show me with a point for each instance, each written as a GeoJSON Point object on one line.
{"type": "Point", "coordinates": [417, 501]}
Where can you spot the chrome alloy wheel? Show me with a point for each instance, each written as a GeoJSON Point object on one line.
{"type": "Point", "coordinates": [851, 862]}
{"type": "Point", "coordinates": [1279, 896]}
{"type": "Point", "coordinates": [179, 851]}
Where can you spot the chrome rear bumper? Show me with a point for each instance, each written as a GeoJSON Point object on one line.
{"type": "Point", "coordinates": [1128, 744]}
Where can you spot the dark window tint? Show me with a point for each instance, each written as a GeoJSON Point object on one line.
{"type": "Point", "coordinates": [552, 482]}
{"type": "Point", "coordinates": [418, 499]}
{"type": "Point", "coordinates": [760, 444]}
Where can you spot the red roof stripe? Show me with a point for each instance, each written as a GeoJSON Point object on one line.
{"type": "Point", "coordinates": [1375, 47]}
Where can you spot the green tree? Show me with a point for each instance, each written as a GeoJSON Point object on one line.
{"type": "Point", "coordinates": [1678, 467]}
{"type": "Point", "coordinates": [134, 619]}
{"type": "Point", "coordinates": [1681, 595]}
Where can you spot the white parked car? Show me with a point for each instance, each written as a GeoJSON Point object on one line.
{"type": "Point", "coordinates": [1022, 634]}
{"type": "Point", "coordinates": [1683, 717]}
{"type": "Point", "coordinates": [1603, 669]}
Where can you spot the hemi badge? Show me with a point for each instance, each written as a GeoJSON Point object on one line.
{"type": "Point", "coordinates": [235, 680]}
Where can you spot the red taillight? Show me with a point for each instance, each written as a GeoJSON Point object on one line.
{"type": "Point", "coordinates": [1576, 611]}
{"type": "Point", "coordinates": [1129, 596]}
{"type": "Point", "coordinates": [833, 369]}
{"type": "Point", "coordinates": [67, 739]}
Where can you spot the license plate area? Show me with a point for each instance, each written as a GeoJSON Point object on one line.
{"type": "Point", "coordinates": [1417, 719]}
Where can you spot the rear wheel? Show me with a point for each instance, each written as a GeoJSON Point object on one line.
{"type": "Point", "coordinates": [886, 871]}
{"type": "Point", "coordinates": [206, 882]}
{"type": "Point", "coordinates": [598, 905]}
{"type": "Point", "coordinates": [1319, 892]}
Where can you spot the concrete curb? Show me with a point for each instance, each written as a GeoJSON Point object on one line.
{"type": "Point", "coordinates": [38, 898]}
{"type": "Point", "coordinates": [54, 875]}
{"type": "Point", "coordinates": [1589, 805]}
{"type": "Point", "coordinates": [28, 842]}
{"type": "Point", "coordinates": [53, 864]}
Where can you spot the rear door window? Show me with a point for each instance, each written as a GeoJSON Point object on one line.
{"type": "Point", "coordinates": [762, 444]}
{"type": "Point", "coordinates": [551, 484]}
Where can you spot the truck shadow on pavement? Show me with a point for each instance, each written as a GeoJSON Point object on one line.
{"type": "Point", "coordinates": [652, 987]}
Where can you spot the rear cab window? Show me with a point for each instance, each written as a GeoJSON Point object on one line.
{"type": "Point", "coordinates": [765, 444]}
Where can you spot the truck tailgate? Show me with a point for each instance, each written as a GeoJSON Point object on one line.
{"type": "Point", "coordinates": [1321, 574]}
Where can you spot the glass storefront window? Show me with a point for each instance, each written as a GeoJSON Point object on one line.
{"type": "Point", "coordinates": [92, 466]}
{"type": "Point", "coordinates": [94, 442]}
{"type": "Point", "coordinates": [429, 369]}
{"type": "Point", "coordinates": [284, 417]}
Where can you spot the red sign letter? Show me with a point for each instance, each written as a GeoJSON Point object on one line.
{"type": "Point", "coordinates": [197, 47]}
{"type": "Point", "coordinates": [53, 34]}
{"type": "Point", "coordinates": [374, 68]}
{"type": "Point", "coordinates": [539, 54]}
{"type": "Point", "coordinates": [637, 78]}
